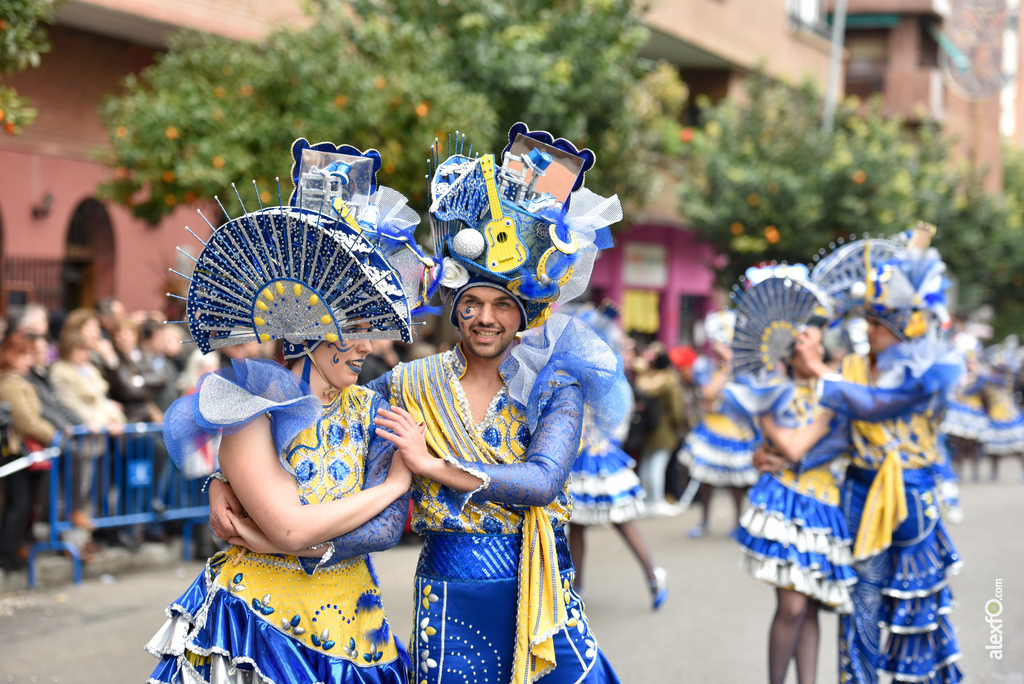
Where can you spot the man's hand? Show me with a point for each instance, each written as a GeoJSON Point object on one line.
{"type": "Point", "coordinates": [401, 429]}
{"type": "Point", "coordinates": [222, 502]}
{"type": "Point", "coordinates": [767, 462]}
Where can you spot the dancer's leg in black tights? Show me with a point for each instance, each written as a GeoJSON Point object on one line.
{"type": "Point", "coordinates": [807, 647]}
{"type": "Point", "coordinates": [739, 499]}
{"type": "Point", "coordinates": [635, 538]}
{"type": "Point", "coordinates": [785, 632]}
{"type": "Point", "coordinates": [577, 547]}
{"type": "Point", "coordinates": [705, 493]}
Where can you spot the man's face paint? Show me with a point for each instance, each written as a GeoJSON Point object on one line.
{"type": "Point", "coordinates": [488, 321]}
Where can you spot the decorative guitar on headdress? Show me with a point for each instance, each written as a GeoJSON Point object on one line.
{"type": "Point", "coordinates": [505, 251]}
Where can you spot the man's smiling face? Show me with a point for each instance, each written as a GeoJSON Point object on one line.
{"type": "Point", "coordinates": [488, 320]}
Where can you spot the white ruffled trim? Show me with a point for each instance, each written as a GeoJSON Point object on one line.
{"type": "Point", "coordinates": [610, 485]}
{"type": "Point", "coordinates": [921, 678]}
{"type": "Point", "coordinates": [617, 514]}
{"type": "Point", "coordinates": [775, 527]}
{"type": "Point", "coordinates": [808, 582]}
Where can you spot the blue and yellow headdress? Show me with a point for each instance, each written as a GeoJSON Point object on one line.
{"type": "Point", "coordinates": [899, 281]}
{"type": "Point", "coordinates": [523, 222]}
{"type": "Point", "coordinates": [337, 262]}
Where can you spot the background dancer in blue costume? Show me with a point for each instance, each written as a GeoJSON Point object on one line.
{"type": "Point", "coordinates": [719, 451]}
{"type": "Point", "coordinates": [603, 486]}
{"type": "Point", "coordinates": [286, 605]}
{"type": "Point", "coordinates": [894, 398]}
{"type": "Point", "coordinates": [793, 534]}
{"type": "Point", "coordinates": [966, 422]}
{"type": "Point", "coordinates": [1004, 435]}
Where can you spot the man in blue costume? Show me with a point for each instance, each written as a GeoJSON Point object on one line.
{"type": "Point", "coordinates": [503, 420]}
{"type": "Point", "coordinates": [894, 398]}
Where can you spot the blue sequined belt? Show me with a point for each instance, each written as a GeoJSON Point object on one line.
{"type": "Point", "coordinates": [920, 477]}
{"type": "Point", "coordinates": [480, 557]}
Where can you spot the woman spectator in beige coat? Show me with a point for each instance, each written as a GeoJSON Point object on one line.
{"type": "Point", "coordinates": [81, 388]}
{"type": "Point", "coordinates": [30, 431]}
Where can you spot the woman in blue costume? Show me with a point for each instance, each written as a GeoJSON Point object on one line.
{"type": "Point", "coordinates": [793, 534]}
{"type": "Point", "coordinates": [894, 397]}
{"type": "Point", "coordinates": [966, 422]}
{"type": "Point", "coordinates": [1005, 433]}
{"type": "Point", "coordinates": [604, 487]}
{"type": "Point", "coordinates": [719, 451]}
{"type": "Point", "coordinates": [296, 601]}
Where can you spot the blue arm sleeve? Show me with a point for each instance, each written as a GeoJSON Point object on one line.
{"type": "Point", "coordinates": [554, 446]}
{"type": "Point", "coordinates": [382, 385]}
{"type": "Point", "coordinates": [860, 402]}
{"type": "Point", "coordinates": [385, 529]}
{"type": "Point", "coordinates": [833, 445]}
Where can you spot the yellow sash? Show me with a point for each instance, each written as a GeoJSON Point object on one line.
{"type": "Point", "coordinates": [541, 608]}
{"type": "Point", "coordinates": [886, 504]}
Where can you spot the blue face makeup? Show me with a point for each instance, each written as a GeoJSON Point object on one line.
{"type": "Point", "coordinates": [468, 312]}
{"type": "Point", "coordinates": [341, 348]}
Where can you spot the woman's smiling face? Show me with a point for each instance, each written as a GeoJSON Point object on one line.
{"type": "Point", "coordinates": [341, 361]}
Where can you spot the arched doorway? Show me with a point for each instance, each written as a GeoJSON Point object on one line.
{"type": "Point", "coordinates": [89, 256]}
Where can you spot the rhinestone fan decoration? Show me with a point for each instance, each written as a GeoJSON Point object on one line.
{"type": "Point", "coordinates": [842, 273]}
{"type": "Point", "coordinates": [769, 316]}
{"type": "Point", "coordinates": [285, 273]}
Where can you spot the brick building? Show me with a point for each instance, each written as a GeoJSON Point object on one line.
{"type": "Point", "coordinates": [59, 245]}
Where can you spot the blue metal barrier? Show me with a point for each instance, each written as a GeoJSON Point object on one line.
{"type": "Point", "coordinates": [127, 486]}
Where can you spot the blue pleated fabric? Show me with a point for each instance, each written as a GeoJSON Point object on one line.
{"type": "Point", "coordinates": [214, 636]}
{"type": "Point", "coordinates": [794, 541]}
{"type": "Point", "coordinates": [467, 597]}
{"type": "Point", "coordinates": [720, 458]}
{"type": "Point", "coordinates": [904, 590]}
{"type": "Point", "coordinates": [604, 487]}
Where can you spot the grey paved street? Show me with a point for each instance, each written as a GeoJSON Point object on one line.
{"type": "Point", "coordinates": [713, 628]}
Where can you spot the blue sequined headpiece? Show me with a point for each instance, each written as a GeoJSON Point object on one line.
{"type": "Point", "coordinates": [898, 281]}
{"type": "Point", "coordinates": [338, 262]}
{"type": "Point", "coordinates": [525, 222]}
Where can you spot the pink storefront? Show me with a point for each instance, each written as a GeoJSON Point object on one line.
{"type": "Point", "coordinates": [662, 276]}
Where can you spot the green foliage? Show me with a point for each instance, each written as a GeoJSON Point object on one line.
{"type": "Point", "coordinates": [22, 40]}
{"type": "Point", "coordinates": [766, 183]}
{"type": "Point", "coordinates": [391, 76]}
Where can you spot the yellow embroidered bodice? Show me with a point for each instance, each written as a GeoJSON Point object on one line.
{"type": "Point", "coordinates": [430, 389]}
{"type": "Point", "coordinates": [328, 457]}
{"type": "Point", "coordinates": [337, 610]}
{"type": "Point", "coordinates": [913, 435]}
{"type": "Point", "coordinates": [818, 482]}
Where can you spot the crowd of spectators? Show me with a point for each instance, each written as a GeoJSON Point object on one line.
{"type": "Point", "coordinates": [99, 370]}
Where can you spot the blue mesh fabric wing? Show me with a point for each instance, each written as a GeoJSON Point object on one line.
{"type": "Point", "coordinates": [226, 401]}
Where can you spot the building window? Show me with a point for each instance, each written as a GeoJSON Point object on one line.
{"type": "Point", "coordinates": [869, 57]}
{"type": "Point", "coordinates": [806, 15]}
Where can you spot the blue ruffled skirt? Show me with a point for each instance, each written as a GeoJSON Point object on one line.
{"type": "Point", "coordinates": [1005, 436]}
{"type": "Point", "coordinates": [327, 628]}
{"type": "Point", "coordinates": [604, 487]}
{"type": "Point", "coordinates": [720, 453]}
{"type": "Point", "coordinates": [795, 541]}
{"type": "Point", "coordinates": [903, 590]}
{"type": "Point", "coordinates": [965, 419]}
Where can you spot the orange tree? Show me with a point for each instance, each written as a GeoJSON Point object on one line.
{"type": "Point", "coordinates": [389, 75]}
{"type": "Point", "coordinates": [22, 40]}
{"type": "Point", "coordinates": [764, 182]}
